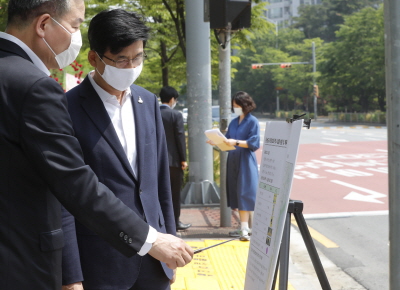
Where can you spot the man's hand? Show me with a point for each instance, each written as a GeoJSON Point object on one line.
{"type": "Point", "coordinates": [171, 250]}
{"type": "Point", "coordinates": [74, 286]}
{"type": "Point", "coordinates": [184, 165]}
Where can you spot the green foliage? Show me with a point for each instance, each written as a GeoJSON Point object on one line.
{"type": "Point", "coordinates": [261, 84]}
{"type": "Point", "coordinates": [350, 70]}
{"type": "Point", "coordinates": [3, 14]}
{"type": "Point", "coordinates": [349, 41]}
{"type": "Point", "coordinates": [323, 20]}
{"type": "Point", "coordinates": [353, 73]}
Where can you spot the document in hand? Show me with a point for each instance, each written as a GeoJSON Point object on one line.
{"type": "Point", "coordinates": [218, 139]}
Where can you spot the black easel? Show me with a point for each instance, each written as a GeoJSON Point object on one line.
{"type": "Point", "coordinates": [296, 208]}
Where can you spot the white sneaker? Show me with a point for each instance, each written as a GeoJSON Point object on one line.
{"type": "Point", "coordinates": [238, 233]}
{"type": "Point", "coordinates": [244, 235]}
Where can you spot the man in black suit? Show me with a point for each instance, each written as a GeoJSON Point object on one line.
{"type": "Point", "coordinates": [175, 134]}
{"type": "Point", "coordinates": [41, 162]}
{"type": "Point", "coordinates": [119, 127]}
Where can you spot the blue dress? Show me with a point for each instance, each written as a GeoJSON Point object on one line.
{"type": "Point", "coordinates": [242, 168]}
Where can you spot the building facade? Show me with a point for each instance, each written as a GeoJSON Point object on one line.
{"type": "Point", "coordinates": [281, 12]}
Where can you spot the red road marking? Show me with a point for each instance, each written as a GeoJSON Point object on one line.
{"type": "Point", "coordinates": [361, 164]}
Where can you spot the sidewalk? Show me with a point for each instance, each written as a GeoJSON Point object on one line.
{"type": "Point", "coordinates": [224, 267]}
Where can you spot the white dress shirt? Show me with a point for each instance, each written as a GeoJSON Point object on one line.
{"type": "Point", "coordinates": [123, 120]}
{"type": "Point", "coordinates": [35, 59]}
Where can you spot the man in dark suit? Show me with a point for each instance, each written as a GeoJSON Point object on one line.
{"type": "Point", "coordinates": [120, 130]}
{"type": "Point", "coordinates": [176, 143]}
{"type": "Point", "coordinates": [41, 162]}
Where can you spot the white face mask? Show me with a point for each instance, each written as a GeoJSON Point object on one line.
{"type": "Point", "coordinates": [238, 111]}
{"type": "Point", "coordinates": [66, 57]}
{"type": "Point", "coordinates": [120, 78]}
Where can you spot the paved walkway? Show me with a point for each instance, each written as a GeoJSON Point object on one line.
{"type": "Point", "coordinates": [224, 267]}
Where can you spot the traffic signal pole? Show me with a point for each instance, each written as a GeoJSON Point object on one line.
{"type": "Point", "coordinates": [200, 189]}
{"type": "Point", "coordinates": [225, 108]}
{"type": "Point", "coordinates": [392, 65]}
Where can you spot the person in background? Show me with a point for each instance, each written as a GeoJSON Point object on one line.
{"type": "Point", "coordinates": [119, 127]}
{"type": "Point", "coordinates": [176, 143]}
{"type": "Point", "coordinates": [242, 169]}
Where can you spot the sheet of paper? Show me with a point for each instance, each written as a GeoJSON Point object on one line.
{"type": "Point", "coordinates": [279, 153]}
{"type": "Point", "coordinates": [218, 138]}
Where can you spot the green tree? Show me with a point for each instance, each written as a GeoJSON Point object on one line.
{"type": "Point", "coordinates": [3, 14]}
{"type": "Point", "coordinates": [295, 83]}
{"type": "Point", "coordinates": [353, 73]}
{"type": "Point", "coordinates": [323, 20]}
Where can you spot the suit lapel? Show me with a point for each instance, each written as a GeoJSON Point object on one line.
{"type": "Point", "coordinates": [139, 114]}
{"type": "Point", "coordinates": [94, 107]}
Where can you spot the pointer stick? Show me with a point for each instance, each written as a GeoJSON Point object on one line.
{"type": "Point", "coordinates": [201, 250]}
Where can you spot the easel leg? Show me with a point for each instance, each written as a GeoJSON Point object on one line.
{"type": "Point", "coordinates": [312, 251]}
{"type": "Point", "coordinates": [284, 255]}
{"type": "Point", "coordinates": [276, 274]}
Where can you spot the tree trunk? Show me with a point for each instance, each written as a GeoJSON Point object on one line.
{"type": "Point", "coordinates": [164, 61]}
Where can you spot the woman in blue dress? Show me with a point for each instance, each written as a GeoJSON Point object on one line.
{"type": "Point", "coordinates": [242, 169]}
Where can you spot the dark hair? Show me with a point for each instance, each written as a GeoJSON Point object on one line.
{"type": "Point", "coordinates": [167, 93]}
{"type": "Point", "coordinates": [244, 100]}
{"type": "Point", "coordinates": [116, 29]}
{"type": "Point", "coordinates": [22, 12]}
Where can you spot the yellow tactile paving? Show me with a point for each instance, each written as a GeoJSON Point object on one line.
{"type": "Point", "coordinates": [219, 268]}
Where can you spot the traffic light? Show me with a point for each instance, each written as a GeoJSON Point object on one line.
{"type": "Point", "coordinates": [315, 90]}
{"type": "Point", "coordinates": [256, 66]}
{"type": "Point", "coordinates": [286, 65]}
{"type": "Point", "coordinates": [236, 13]}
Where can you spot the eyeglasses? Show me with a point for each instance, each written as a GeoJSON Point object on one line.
{"type": "Point", "coordinates": [122, 62]}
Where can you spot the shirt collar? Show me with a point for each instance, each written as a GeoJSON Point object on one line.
{"type": "Point", "coordinates": [165, 105]}
{"type": "Point", "coordinates": [35, 59]}
{"type": "Point", "coordinates": [105, 96]}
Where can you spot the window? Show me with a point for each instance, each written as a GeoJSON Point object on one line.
{"type": "Point", "coordinates": [275, 13]}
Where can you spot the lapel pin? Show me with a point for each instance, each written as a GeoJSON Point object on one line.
{"type": "Point", "coordinates": [140, 101]}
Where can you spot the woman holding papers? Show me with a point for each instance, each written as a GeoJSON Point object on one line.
{"type": "Point", "coordinates": [242, 170]}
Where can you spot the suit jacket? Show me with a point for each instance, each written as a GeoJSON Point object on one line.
{"type": "Point", "coordinates": [175, 134]}
{"type": "Point", "coordinates": [41, 165]}
{"type": "Point", "coordinates": [149, 195]}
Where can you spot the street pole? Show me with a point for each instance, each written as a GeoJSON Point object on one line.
{"type": "Point", "coordinates": [314, 72]}
{"type": "Point", "coordinates": [200, 188]}
{"type": "Point", "coordinates": [392, 61]}
{"type": "Point", "coordinates": [225, 108]}
{"type": "Point", "coordinates": [277, 100]}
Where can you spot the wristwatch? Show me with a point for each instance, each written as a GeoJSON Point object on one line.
{"type": "Point", "coordinates": [237, 142]}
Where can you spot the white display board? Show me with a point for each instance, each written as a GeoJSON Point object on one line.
{"type": "Point", "coordinates": [280, 146]}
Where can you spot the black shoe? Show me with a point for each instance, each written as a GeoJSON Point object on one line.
{"type": "Point", "coordinates": [181, 226]}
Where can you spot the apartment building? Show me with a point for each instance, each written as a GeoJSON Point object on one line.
{"type": "Point", "coordinates": [281, 12]}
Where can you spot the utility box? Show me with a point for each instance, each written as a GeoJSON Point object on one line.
{"type": "Point", "coordinates": [223, 12]}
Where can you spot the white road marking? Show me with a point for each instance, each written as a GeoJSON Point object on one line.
{"type": "Point", "coordinates": [329, 144]}
{"type": "Point", "coordinates": [360, 197]}
{"type": "Point", "coordinates": [335, 140]}
{"type": "Point", "coordinates": [311, 216]}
